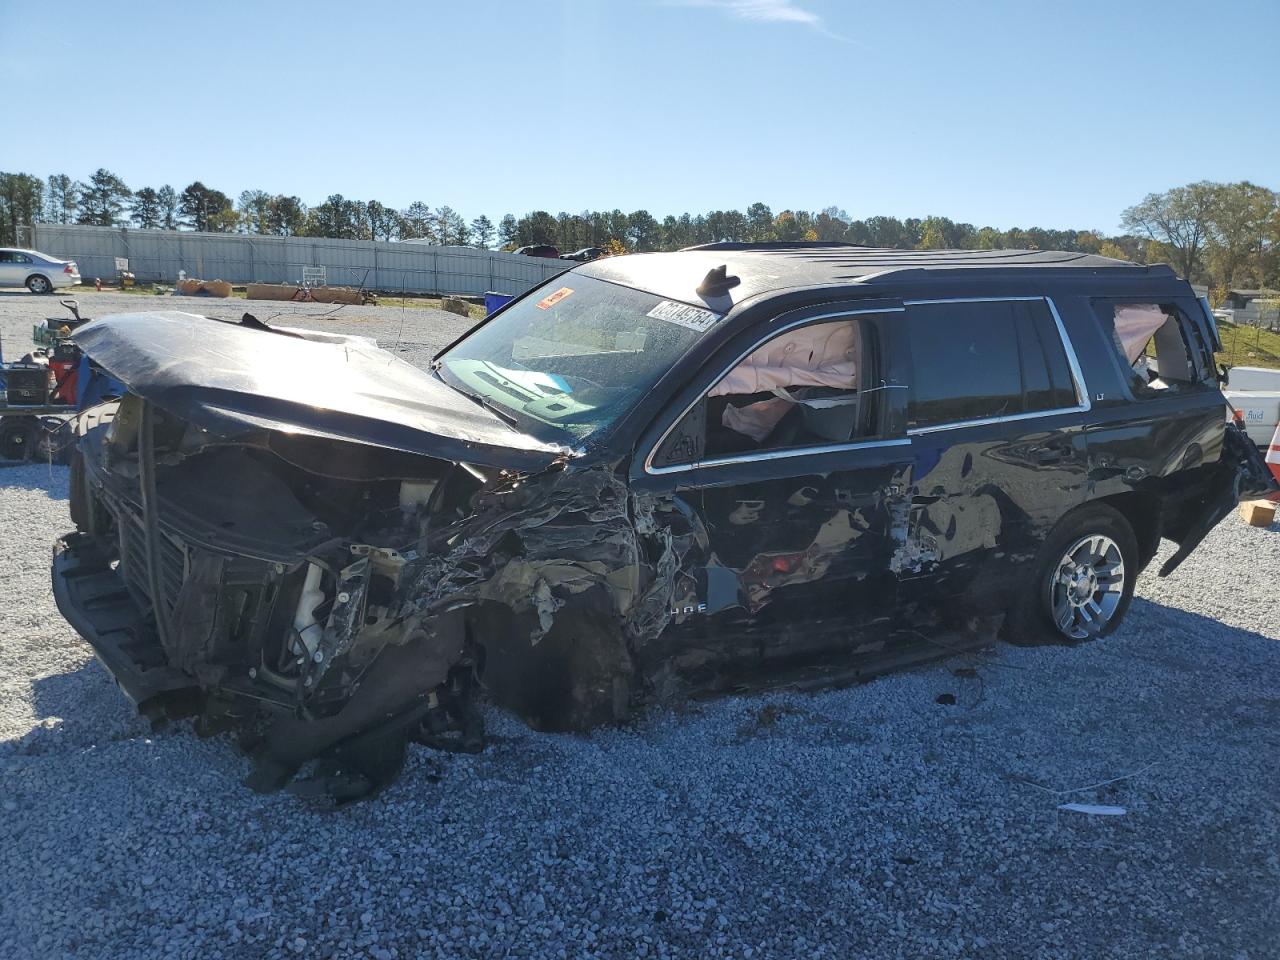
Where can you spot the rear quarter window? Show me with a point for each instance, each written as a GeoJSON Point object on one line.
{"type": "Point", "coordinates": [1158, 348]}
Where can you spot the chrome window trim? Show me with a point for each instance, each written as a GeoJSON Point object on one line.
{"type": "Point", "coordinates": [781, 454]}
{"type": "Point", "coordinates": [649, 468]}
{"type": "Point", "coordinates": [985, 421]}
{"type": "Point", "coordinates": [1083, 404]}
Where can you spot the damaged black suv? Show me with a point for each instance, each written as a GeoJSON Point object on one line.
{"type": "Point", "coordinates": [732, 466]}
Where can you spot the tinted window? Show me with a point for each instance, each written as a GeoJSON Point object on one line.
{"type": "Point", "coordinates": [964, 360]}
{"type": "Point", "coordinates": [1046, 376]}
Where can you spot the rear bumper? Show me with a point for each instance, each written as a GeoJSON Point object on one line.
{"type": "Point", "coordinates": [93, 599]}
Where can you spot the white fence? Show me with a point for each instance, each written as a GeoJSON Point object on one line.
{"type": "Point", "coordinates": [237, 258]}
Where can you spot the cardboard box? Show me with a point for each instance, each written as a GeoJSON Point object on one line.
{"type": "Point", "coordinates": [1258, 513]}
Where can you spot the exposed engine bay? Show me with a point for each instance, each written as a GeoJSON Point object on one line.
{"type": "Point", "coordinates": [288, 596]}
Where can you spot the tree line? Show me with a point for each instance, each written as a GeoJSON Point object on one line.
{"type": "Point", "coordinates": [1222, 234]}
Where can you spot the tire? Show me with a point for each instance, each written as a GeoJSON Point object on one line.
{"type": "Point", "coordinates": [1084, 578]}
{"type": "Point", "coordinates": [17, 438]}
{"type": "Point", "coordinates": [87, 513]}
{"type": "Point", "coordinates": [39, 284]}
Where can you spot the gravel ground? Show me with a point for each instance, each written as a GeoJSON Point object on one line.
{"type": "Point", "coordinates": [415, 333]}
{"type": "Point", "coordinates": [864, 822]}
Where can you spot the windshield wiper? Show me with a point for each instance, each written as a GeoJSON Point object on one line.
{"type": "Point", "coordinates": [502, 413]}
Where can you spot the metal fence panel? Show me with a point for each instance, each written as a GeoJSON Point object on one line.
{"type": "Point", "coordinates": [159, 255]}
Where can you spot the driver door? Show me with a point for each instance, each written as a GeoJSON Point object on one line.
{"type": "Point", "coordinates": [795, 466]}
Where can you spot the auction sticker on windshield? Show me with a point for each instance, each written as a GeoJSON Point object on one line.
{"type": "Point", "coordinates": [551, 299]}
{"type": "Point", "coordinates": [695, 318]}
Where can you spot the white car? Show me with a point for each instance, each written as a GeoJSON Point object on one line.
{"type": "Point", "coordinates": [38, 272]}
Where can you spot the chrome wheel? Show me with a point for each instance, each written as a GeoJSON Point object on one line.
{"type": "Point", "coordinates": [1087, 587]}
{"type": "Point", "coordinates": [39, 285]}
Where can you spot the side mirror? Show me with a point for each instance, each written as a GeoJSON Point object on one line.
{"type": "Point", "coordinates": [687, 440]}
{"type": "Point", "coordinates": [1224, 374]}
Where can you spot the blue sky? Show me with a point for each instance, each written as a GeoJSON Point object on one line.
{"type": "Point", "coordinates": [1010, 114]}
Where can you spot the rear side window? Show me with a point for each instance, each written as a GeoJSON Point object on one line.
{"type": "Point", "coordinates": [1160, 350]}
{"type": "Point", "coordinates": [984, 359]}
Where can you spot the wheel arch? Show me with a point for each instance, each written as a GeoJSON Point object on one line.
{"type": "Point", "coordinates": [1142, 513]}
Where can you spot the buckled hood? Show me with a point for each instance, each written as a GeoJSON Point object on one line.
{"type": "Point", "coordinates": [239, 378]}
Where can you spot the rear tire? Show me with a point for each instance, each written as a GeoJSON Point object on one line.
{"type": "Point", "coordinates": [17, 438]}
{"type": "Point", "coordinates": [38, 284]}
{"type": "Point", "coordinates": [1084, 579]}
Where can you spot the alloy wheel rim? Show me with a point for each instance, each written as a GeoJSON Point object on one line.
{"type": "Point", "coordinates": [1087, 586]}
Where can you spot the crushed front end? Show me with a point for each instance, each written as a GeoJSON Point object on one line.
{"type": "Point", "coordinates": [260, 584]}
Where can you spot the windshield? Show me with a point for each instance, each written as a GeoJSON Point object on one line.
{"type": "Point", "coordinates": [575, 359]}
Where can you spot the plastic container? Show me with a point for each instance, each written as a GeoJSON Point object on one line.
{"type": "Point", "coordinates": [495, 301]}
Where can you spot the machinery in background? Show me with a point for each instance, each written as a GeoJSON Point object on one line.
{"type": "Point", "coordinates": [41, 393]}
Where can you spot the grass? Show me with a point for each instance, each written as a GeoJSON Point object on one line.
{"type": "Point", "coordinates": [1244, 346]}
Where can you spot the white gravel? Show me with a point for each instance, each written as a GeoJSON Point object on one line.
{"type": "Point", "coordinates": [870, 822]}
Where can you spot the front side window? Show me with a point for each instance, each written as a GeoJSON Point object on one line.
{"type": "Point", "coordinates": [980, 360]}
{"type": "Point", "coordinates": [568, 363]}
{"type": "Point", "coordinates": [805, 387]}
{"type": "Point", "coordinates": [1156, 345]}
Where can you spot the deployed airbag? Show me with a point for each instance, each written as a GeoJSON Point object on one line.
{"type": "Point", "coordinates": [1135, 324]}
{"type": "Point", "coordinates": [823, 355]}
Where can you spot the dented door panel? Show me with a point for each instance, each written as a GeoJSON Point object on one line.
{"type": "Point", "coordinates": [984, 499]}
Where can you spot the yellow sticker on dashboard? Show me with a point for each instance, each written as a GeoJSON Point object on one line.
{"type": "Point", "coordinates": [551, 299]}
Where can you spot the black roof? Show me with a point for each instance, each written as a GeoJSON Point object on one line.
{"type": "Point", "coordinates": [770, 267]}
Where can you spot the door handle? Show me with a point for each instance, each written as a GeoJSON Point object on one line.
{"type": "Point", "coordinates": [1047, 455]}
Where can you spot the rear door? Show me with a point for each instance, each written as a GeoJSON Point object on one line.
{"type": "Point", "coordinates": [1161, 433]}
{"type": "Point", "coordinates": [11, 274]}
{"type": "Point", "coordinates": [996, 419]}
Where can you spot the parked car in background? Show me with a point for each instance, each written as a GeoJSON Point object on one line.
{"type": "Point", "coordinates": [538, 250]}
{"type": "Point", "coordinates": [585, 255]}
{"type": "Point", "coordinates": [38, 272]}
{"type": "Point", "coordinates": [733, 466]}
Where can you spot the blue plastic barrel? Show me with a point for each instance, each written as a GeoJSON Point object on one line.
{"type": "Point", "coordinates": [495, 301]}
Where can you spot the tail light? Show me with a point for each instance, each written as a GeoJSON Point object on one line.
{"type": "Point", "coordinates": [69, 268]}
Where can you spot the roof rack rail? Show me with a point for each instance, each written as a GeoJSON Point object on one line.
{"type": "Point", "coordinates": [776, 245]}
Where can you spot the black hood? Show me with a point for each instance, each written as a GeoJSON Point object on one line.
{"type": "Point", "coordinates": [235, 379]}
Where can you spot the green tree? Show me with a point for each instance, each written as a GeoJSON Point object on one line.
{"type": "Point", "coordinates": [482, 232]}
{"type": "Point", "coordinates": [989, 238]}
{"type": "Point", "coordinates": [255, 210]}
{"type": "Point", "coordinates": [508, 230]}
{"type": "Point", "coordinates": [199, 205]}
{"type": "Point", "coordinates": [1179, 220]}
{"type": "Point", "coordinates": [384, 222]}
{"type": "Point", "coordinates": [419, 222]}
{"type": "Point", "coordinates": [1239, 219]}
{"type": "Point", "coordinates": [933, 236]}
{"type": "Point", "coordinates": [536, 227]}
{"type": "Point", "coordinates": [102, 199]}
{"type": "Point", "coordinates": [167, 198]}
{"type": "Point", "coordinates": [1109, 249]}
{"type": "Point", "coordinates": [60, 204]}
{"type": "Point", "coordinates": [451, 228]}
{"type": "Point", "coordinates": [145, 209]}
{"type": "Point", "coordinates": [760, 223]}
{"type": "Point", "coordinates": [286, 216]}
{"type": "Point", "coordinates": [21, 204]}
{"type": "Point", "coordinates": [644, 233]}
